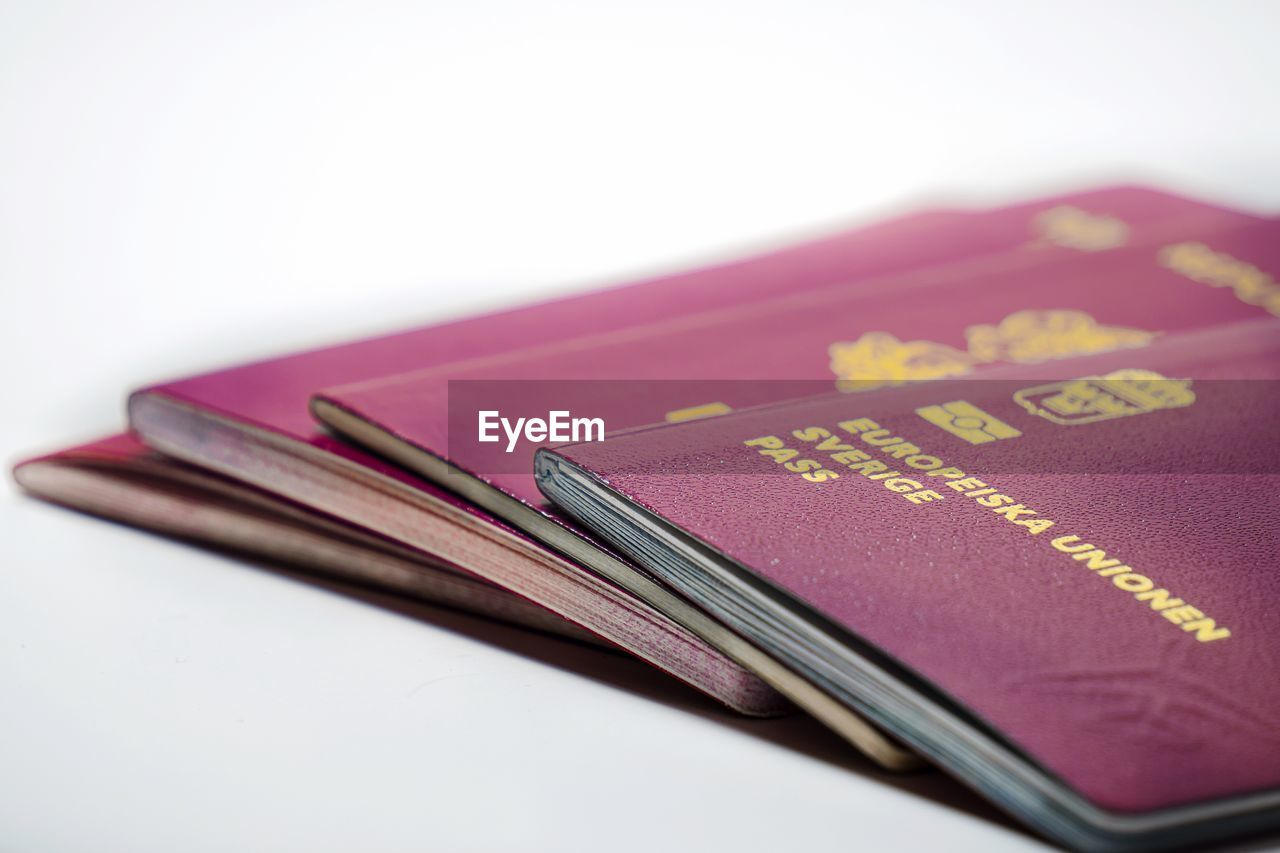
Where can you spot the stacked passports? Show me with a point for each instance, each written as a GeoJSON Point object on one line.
{"type": "Point", "coordinates": [986, 490]}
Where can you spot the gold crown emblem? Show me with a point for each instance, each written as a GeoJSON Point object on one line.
{"type": "Point", "coordinates": [879, 358]}
{"type": "Point", "coordinates": [1024, 337]}
{"type": "Point", "coordinates": [1076, 229]}
{"type": "Point", "coordinates": [1028, 337]}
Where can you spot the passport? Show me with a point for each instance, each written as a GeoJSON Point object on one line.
{"type": "Point", "coordinates": [1057, 582]}
{"type": "Point", "coordinates": [120, 479]}
{"type": "Point", "coordinates": [251, 423]}
{"type": "Point", "coordinates": [1027, 305]}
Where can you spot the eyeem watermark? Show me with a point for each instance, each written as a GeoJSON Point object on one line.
{"type": "Point", "coordinates": [558, 426]}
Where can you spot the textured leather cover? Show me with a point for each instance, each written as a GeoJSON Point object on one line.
{"type": "Point", "coordinates": [1031, 304]}
{"type": "Point", "coordinates": [1132, 700]}
{"type": "Point", "coordinates": [273, 395]}
{"type": "Point", "coordinates": [113, 448]}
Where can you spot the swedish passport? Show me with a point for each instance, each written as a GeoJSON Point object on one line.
{"type": "Point", "coordinates": [1056, 582]}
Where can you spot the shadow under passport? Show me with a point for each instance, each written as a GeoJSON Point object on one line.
{"type": "Point", "coordinates": [798, 731]}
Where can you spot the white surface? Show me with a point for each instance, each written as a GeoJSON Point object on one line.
{"type": "Point", "coordinates": [182, 186]}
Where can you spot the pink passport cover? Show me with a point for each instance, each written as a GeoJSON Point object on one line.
{"type": "Point", "coordinates": [1054, 648]}
{"type": "Point", "coordinates": [1125, 297]}
{"type": "Point", "coordinates": [273, 394]}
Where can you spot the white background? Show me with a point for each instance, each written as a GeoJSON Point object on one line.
{"type": "Point", "coordinates": [187, 185]}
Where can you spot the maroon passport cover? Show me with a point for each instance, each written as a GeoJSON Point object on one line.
{"type": "Point", "coordinates": [272, 396]}
{"type": "Point", "coordinates": [1084, 559]}
{"type": "Point", "coordinates": [1026, 306]}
